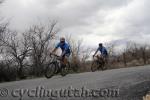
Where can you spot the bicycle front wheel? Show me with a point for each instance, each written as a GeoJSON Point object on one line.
{"type": "Point", "coordinates": [50, 70]}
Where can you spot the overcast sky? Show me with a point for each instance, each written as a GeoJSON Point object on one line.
{"type": "Point", "coordinates": [93, 20]}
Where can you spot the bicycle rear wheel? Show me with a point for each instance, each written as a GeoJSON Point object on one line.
{"type": "Point", "coordinates": [65, 70]}
{"type": "Point", "coordinates": [102, 65]}
{"type": "Point", "coordinates": [94, 66]}
{"type": "Point", "coordinates": [50, 70]}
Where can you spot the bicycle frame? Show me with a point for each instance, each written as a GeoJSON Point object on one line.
{"type": "Point", "coordinates": [99, 62]}
{"type": "Point", "coordinates": [55, 59]}
{"type": "Point", "coordinates": [98, 58]}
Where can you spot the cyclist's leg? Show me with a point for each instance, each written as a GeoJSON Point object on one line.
{"type": "Point", "coordinates": [62, 62]}
{"type": "Point", "coordinates": [61, 65]}
{"type": "Point", "coordinates": [98, 58]}
{"type": "Point", "coordinates": [105, 58]}
{"type": "Point", "coordinates": [66, 59]}
{"type": "Point", "coordinates": [105, 61]}
{"type": "Point", "coordinates": [101, 61]}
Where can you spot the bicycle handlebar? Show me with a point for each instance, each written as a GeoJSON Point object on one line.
{"type": "Point", "coordinates": [53, 55]}
{"type": "Point", "coordinates": [95, 56]}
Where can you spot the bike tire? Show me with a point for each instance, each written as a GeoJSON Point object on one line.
{"type": "Point", "coordinates": [75, 68]}
{"type": "Point", "coordinates": [65, 70]}
{"type": "Point", "coordinates": [50, 70]}
{"type": "Point", "coordinates": [104, 67]}
{"type": "Point", "coordinates": [94, 66]}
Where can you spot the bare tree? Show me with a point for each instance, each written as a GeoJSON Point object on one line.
{"type": "Point", "coordinates": [144, 53]}
{"type": "Point", "coordinates": [16, 49]}
{"type": "Point", "coordinates": [136, 52]}
{"type": "Point", "coordinates": [86, 54]}
{"type": "Point", "coordinates": [80, 53]}
{"type": "Point", "coordinates": [124, 59]}
{"type": "Point", "coordinates": [40, 38]}
{"type": "Point", "coordinates": [111, 49]}
{"type": "Point", "coordinates": [3, 29]}
{"type": "Point", "coordinates": [75, 46]}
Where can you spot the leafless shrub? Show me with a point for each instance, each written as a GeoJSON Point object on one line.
{"type": "Point", "coordinates": [79, 53]}
{"type": "Point", "coordinates": [40, 38]}
{"type": "Point", "coordinates": [15, 49]}
{"type": "Point", "coordinates": [135, 52]}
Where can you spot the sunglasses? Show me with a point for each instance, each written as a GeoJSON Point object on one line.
{"type": "Point", "coordinates": [62, 41]}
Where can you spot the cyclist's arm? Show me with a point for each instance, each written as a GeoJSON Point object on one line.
{"type": "Point", "coordinates": [54, 50]}
{"type": "Point", "coordinates": [96, 52]}
{"type": "Point", "coordinates": [57, 46]}
{"type": "Point", "coordinates": [64, 52]}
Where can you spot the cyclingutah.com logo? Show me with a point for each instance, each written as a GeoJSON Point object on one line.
{"type": "Point", "coordinates": [3, 92]}
{"type": "Point", "coordinates": [42, 92]}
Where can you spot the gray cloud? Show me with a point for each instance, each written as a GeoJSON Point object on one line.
{"type": "Point", "coordinates": [135, 21]}
{"type": "Point", "coordinates": [94, 20]}
{"type": "Point", "coordinates": [70, 12]}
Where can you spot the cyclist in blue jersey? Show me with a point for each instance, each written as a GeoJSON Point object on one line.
{"type": "Point", "coordinates": [65, 50]}
{"type": "Point", "coordinates": [103, 51]}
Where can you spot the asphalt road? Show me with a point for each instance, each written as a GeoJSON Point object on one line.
{"type": "Point", "coordinates": [117, 84]}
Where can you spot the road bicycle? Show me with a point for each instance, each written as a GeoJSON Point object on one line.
{"type": "Point", "coordinates": [55, 67]}
{"type": "Point", "coordinates": [98, 63]}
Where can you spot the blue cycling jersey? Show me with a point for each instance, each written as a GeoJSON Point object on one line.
{"type": "Point", "coordinates": [64, 47]}
{"type": "Point", "coordinates": [103, 51]}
